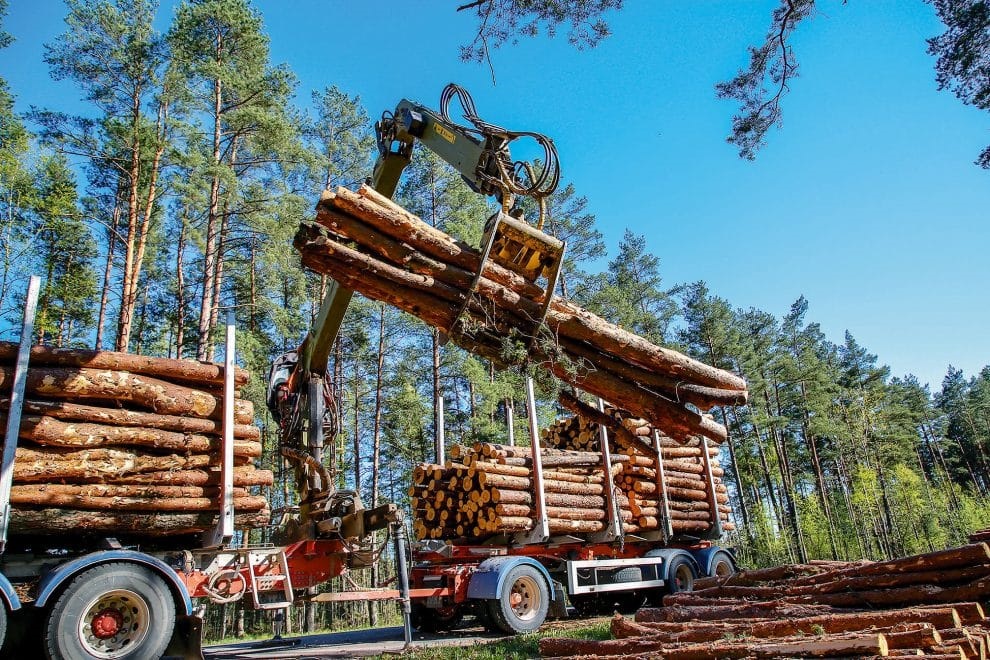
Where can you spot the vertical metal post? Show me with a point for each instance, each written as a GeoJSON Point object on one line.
{"type": "Point", "coordinates": [539, 494]}
{"type": "Point", "coordinates": [314, 395]}
{"type": "Point", "coordinates": [402, 571]}
{"type": "Point", "coordinates": [716, 530]}
{"type": "Point", "coordinates": [439, 439]}
{"type": "Point", "coordinates": [16, 405]}
{"type": "Point", "coordinates": [668, 529]}
{"type": "Point", "coordinates": [614, 529]}
{"type": "Point", "coordinates": [224, 530]}
{"type": "Point", "coordinates": [509, 419]}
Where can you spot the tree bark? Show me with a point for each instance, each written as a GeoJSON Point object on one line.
{"type": "Point", "coordinates": [150, 393]}
{"type": "Point", "coordinates": [56, 521]}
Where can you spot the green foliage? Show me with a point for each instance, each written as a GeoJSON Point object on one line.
{"type": "Point", "coordinates": [629, 292]}
{"type": "Point", "coordinates": [66, 249]}
{"type": "Point", "coordinates": [963, 53]}
{"type": "Point", "coordinates": [504, 21]}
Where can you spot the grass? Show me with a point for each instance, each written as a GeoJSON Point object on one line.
{"type": "Point", "coordinates": [520, 647]}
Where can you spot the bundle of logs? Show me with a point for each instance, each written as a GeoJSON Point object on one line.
{"type": "Point", "coordinates": [920, 606]}
{"type": "Point", "coordinates": [681, 475]}
{"type": "Point", "coordinates": [126, 443]}
{"type": "Point", "coordinates": [375, 247]}
{"type": "Point", "coordinates": [487, 490]}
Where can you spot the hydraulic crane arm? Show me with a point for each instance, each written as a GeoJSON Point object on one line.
{"type": "Point", "coordinates": [480, 153]}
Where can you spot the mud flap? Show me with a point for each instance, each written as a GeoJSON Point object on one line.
{"type": "Point", "coordinates": [558, 605]}
{"type": "Point", "coordinates": [187, 639]}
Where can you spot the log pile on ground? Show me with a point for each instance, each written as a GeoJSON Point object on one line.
{"type": "Point", "coordinates": [371, 245]}
{"type": "Point", "coordinates": [126, 443]}
{"type": "Point", "coordinates": [681, 475]}
{"type": "Point", "coordinates": [487, 490]}
{"type": "Point", "coordinates": [921, 606]}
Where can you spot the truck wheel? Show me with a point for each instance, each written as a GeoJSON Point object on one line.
{"type": "Point", "coordinates": [722, 566]}
{"type": "Point", "coordinates": [524, 602]}
{"type": "Point", "coordinates": [113, 611]}
{"type": "Point", "coordinates": [480, 608]}
{"type": "Point", "coordinates": [680, 575]}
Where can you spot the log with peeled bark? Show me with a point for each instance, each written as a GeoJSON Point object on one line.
{"type": "Point", "coordinates": [52, 432]}
{"type": "Point", "coordinates": [121, 490]}
{"type": "Point", "coordinates": [244, 475]}
{"type": "Point", "coordinates": [152, 394]}
{"type": "Point", "coordinates": [56, 521]}
{"type": "Point", "coordinates": [20, 497]}
{"type": "Point", "coordinates": [77, 412]}
{"type": "Point", "coordinates": [49, 466]}
{"type": "Point", "coordinates": [188, 371]}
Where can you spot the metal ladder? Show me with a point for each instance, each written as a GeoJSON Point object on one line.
{"type": "Point", "coordinates": [263, 581]}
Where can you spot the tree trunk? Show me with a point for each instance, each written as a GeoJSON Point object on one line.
{"type": "Point", "coordinates": [180, 291]}
{"type": "Point", "coordinates": [212, 218]}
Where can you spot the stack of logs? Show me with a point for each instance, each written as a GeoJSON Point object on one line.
{"type": "Point", "coordinates": [921, 606]}
{"type": "Point", "coordinates": [487, 490]}
{"type": "Point", "coordinates": [375, 247]}
{"type": "Point", "coordinates": [689, 495]}
{"type": "Point", "coordinates": [126, 443]}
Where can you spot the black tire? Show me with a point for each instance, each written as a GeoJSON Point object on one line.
{"type": "Point", "coordinates": [480, 608]}
{"type": "Point", "coordinates": [628, 602]}
{"type": "Point", "coordinates": [3, 624]}
{"type": "Point", "coordinates": [585, 604]}
{"type": "Point", "coordinates": [722, 565]}
{"type": "Point", "coordinates": [128, 598]}
{"type": "Point", "coordinates": [433, 620]}
{"type": "Point", "coordinates": [680, 575]}
{"type": "Point", "coordinates": [524, 603]}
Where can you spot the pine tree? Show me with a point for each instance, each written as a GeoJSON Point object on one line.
{"type": "Point", "coordinates": [340, 135]}
{"type": "Point", "coordinates": [17, 196]}
{"type": "Point", "coordinates": [66, 252]}
{"type": "Point", "coordinates": [630, 294]}
{"type": "Point", "coordinates": [112, 52]}
{"type": "Point", "coordinates": [220, 54]}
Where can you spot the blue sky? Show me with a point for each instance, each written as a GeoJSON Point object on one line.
{"type": "Point", "coordinates": [867, 202]}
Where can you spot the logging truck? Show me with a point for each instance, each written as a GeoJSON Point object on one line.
{"type": "Point", "coordinates": [130, 595]}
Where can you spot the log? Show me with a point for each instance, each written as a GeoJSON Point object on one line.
{"type": "Point", "coordinates": [56, 521]}
{"type": "Point", "coordinates": [122, 490]}
{"type": "Point", "coordinates": [244, 475]}
{"type": "Point", "coordinates": [960, 557]}
{"type": "Point", "coordinates": [56, 433]}
{"type": "Point", "coordinates": [858, 645]}
{"type": "Point", "coordinates": [185, 370]}
{"type": "Point", "coordinates": [754, 610]}
{"type": "Point", "coordinates": [552, 499]}
{"type": "Point", "coordinates": [944, 617]}
{"type": "Point", "coordinates": [31, 465]}
{"type": "Point", "coordinates": [149, 393]}
{"type": "Point", "coordinates": [76, 412]}
{"type": "Point", "coordinates": [40, 498]}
